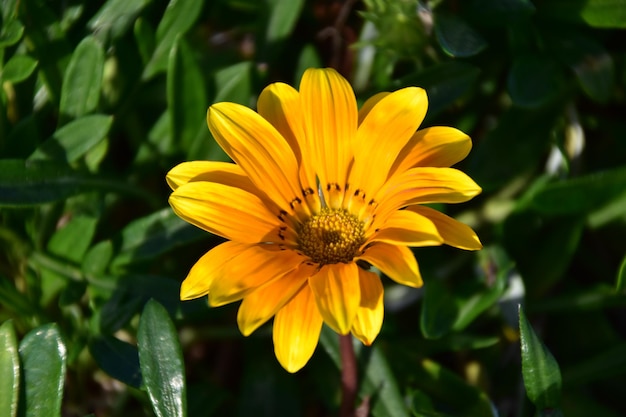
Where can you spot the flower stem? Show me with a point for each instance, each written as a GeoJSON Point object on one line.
{"type": "Point", "coordinates": [349, 376]}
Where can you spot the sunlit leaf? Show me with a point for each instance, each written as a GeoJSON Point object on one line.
{"type": "Point", "coordinates": [43, 355]}
{"type": "Point", "coordinates": [234, 84]}
{"type": "Point", "coordinates": [11, 33]}
{"type": "Point", "coordinates": [161, 362]}
{"type": "Point", "coordinates": [18, 68]}
{"type": "Point", "coordinates": [9, 370]}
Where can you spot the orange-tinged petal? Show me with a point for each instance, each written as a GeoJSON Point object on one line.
{"type": "Point", "coordinates": [453, 232]}
{"type": "Point", "coordinates": [383, 133]}
{"type": "Point", "coordinates": [369, 316]}
{"type": "Point", "coordinates": [229, 212]}
{"type": "Point", "coordinates": [424, 185]}
{"type": "Point", "coordinates": [207, 268]}
{"type": "Point", "coordinates": [438, 146]}
{"type": "Point", "coordinates": [261, 304]}
{"type": "Point", "coordinates": [370, 103]}
{"type": "Point", "coordinates": [409, 228]}
{"type": "Point", "coordinates": [330, 123]}
{"type": "Point", "coordinates": [253, 267]}
{"type": "Point", "coordinates": [212, 171]}
{"type": "Point", "coordinates": [297, 328]}
{"type": "Point", "coordinates": [397, 262]}
{"type": "Point", "coordinates": [337, 294]}
{"type": "Point", "coordinates": [259, 149]}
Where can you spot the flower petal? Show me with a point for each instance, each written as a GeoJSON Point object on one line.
{"type": "Point", "coordinates": [337, 294]}
{"type": "Point", "coordinates": [383, 133]}
{"type": "Point", "coordinates": [408, 228]}
{"type": "Point", "coordinates": [253, 267]}
{"type": "Point", "coordinates": [370, 103]}
{"type": "Point", "coordinates": [206, 269]}
{"type": "Point", "coordinates": [261, 304]}
{"type": "Point", "coordinates": [397, 262]}
{"type": "Point", "coordinates": [229, 212]}
{"type": "Point", "coordinates": [212, 171]}
{"type": "Point", "coordinates": [438, 146]}
{"type": "Point", "coordinates": [330, 123]}
{"type": "Point", "coordinates": [259, 149]}
{"type": "Point", "coordinates": [453, 232]}
{"type": "Point", "coordinates": [297, 328]}
{"type": "Point", "coordinates": [369, 316]}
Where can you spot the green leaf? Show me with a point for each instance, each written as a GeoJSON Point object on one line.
{"type": "Point", "coordinates": [150, 236]}
{"type": "Point", "coordinates": [377, 381]}
{"type": "Point", "coordinates": [534, 81]}
{"type": "Point", "coordinates": [541, 373]}
{"type": "Point", "coordinates": [145, 38]}
{"type": "Point", "coordinates": [283, 17]}
{"type": "Point", "coordinates": [73, 239]}
{"type": "Point", "coordinates": [75, 139]}
{"type": "Point", "coordinates": [620, 284]}
{"type": "Point", "coordinates": [11, 33]}
{"type": "Point", "coordinates": [178, 18]}
{"type": "Point", "coordinates": [116, 16]}
{"type": "Point", "coordinates": [456, 37]}
{"type": "Point", "coordinates": [117, 358]}
{"type": "Point", "coordinates": [234, 84]}
{"type": "Point", "coordinates": [43, 355]}
{"type": "Point", "coordinates": [596, 13]}
{"type": "Point", "coordinates": [9, 10]}
{"type": "Point", "coordinates": [581, 194]}
{"type": "Point", "coordinates": [18, 68]}
{"type": "Point", "coordinates": [82, 81]}
{"type": "Point", "coordinates": [161, 362]}
{"type": "Point", "coordinates": [186, 96]}
{"type": "Point", "coordinates": [9, 370]}
{"type": "Point", "coordinates": [97, 259]}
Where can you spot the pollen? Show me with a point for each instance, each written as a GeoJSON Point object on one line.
{"type": "Point", "coordinates": [331, 236]}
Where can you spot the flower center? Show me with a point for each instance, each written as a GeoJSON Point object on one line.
{"type": "Point", "coordinates": [330, 237]}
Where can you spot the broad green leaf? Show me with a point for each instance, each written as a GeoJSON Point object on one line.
{"type": "Point", "coordinates": [456, 37]}
{"type": "Point", "coordinates": [115, 17]}
{"type": "Point", "coordinates": [444, 83]}
{"type": "Point", "coordinates": [595, 13]}
{"type": "Point", "coordinates": [97, 258]}
{"type": "Point", "coordinates": [73, 239]}
{"type": "Point", "coordinates": [76, 138]}
{"type": "Point", "coordinates": [233, 84]}
{"type": "Point", "coordinates": [117, 358]}
{"type": "Point", "coordinates": [620, 284]}
{"type": "Point", "coordinates": [11, 33]}
{"type": "Point", "coordinates": [161, 361]}
{"type": "Point", "coordinates": [581, 194]}
{"type": "Point", "coordinates": [145, 39]}
{"type": "Point", "coordinates": [150, 236]}
{"type": "Point", "coordinates": [178, 18]}
{"type": "Point", "coordinates": [377, 380]}
{"type": "Point", "coordinates": [43, 355]}
{"type": "Point", "coordinates": [283, 17]}
{"type": "Point", "coordinates": [82, 82]}
{"type": "Point", "coordinates": [9, 370]}
{"type": "Point", "coordinates": [541, 373]}
{"type": "Point", "coordinates": [18, 68]}
{"type": "Point", "coordinates": [186, 96]}
{"type": "Point", "coordinates": [534, 81]}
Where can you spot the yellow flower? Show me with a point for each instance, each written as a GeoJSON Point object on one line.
{"type": "Point", "coordinates": [319, 190]}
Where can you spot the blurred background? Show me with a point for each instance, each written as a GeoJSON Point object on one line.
{"type": "Point", "coordinates": [100, 99]}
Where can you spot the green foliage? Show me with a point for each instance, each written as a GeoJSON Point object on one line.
{"type": "Point", "coordinates": [98, 100]}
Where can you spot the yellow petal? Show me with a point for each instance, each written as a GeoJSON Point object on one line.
{"type": "Point", "coordinates": [437, 146]}
{"type": "Point", "coordinates": [397, 262]}
{"type": "Point", "coordinates": [425, 185]}
{"type": "Point", "coordinates": [408, 228]}
{"type": "Point", "coordinates": [370, 103]}
{"type": "Point", "coordinates": [229, 212]}
{"type": "Point", "coordinates": [213, 171]}
{"type": "Point", "coordinates": [261, 304]}
{"type": "Point", "coordinates": [383, 133]}
{"type": "Point", "coordinates": [337, 294]}
{"type": "Point", "coordinates": [369, 316]}
{"type": "Point", "coordinates": [259, 149]}
{"type": "Point", "coordinates": [330, 123]}
{"type": "Point", "coordinates": [297, 328]}
{"type": "Point", "coordinates": [207, 268]}
{"type": "Point", "coordinates": [453, 232]}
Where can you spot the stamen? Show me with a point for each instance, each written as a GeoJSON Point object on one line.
{"type": "Point", "coordinates": [330, 237]}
